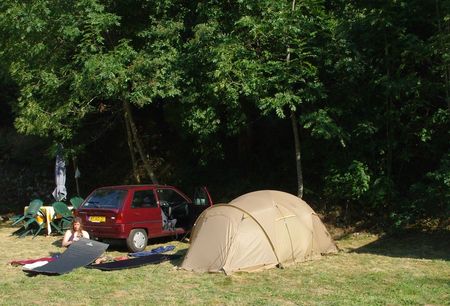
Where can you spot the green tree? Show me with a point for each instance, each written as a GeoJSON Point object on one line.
{"type": "Point", "coordinates": [263, 53]}
{"type": "Point", "coordinates": [74, 60]}
{"type": "Point", "coordinates": [389, 63]}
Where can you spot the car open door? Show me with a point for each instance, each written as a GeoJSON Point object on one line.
{"type": "Point", "coordinates": [200, 201]}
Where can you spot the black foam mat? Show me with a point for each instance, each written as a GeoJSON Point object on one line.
{"type": "Point", "coordinates": [134, 263]}
{"type": "Point", "coordinates": [80, 253]}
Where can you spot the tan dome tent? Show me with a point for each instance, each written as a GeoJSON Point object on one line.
{"type": "Point", "coordinates": [259, 230]}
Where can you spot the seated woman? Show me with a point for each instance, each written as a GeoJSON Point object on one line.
{"type": "Point", "coordinates": [75, 233]}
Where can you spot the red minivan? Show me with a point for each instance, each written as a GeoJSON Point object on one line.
{"type": "Point", "coordinates": [139, 212]}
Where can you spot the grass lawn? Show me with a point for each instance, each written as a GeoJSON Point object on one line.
{"type": "Point", "coordinates": [411, 269]}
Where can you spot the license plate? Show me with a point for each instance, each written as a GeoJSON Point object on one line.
{"type": "Point", "coordinates": [97, 219]}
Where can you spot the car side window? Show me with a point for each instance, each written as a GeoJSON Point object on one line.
{"type": "Point", "coordinates": [143, 199]}
{"type": "Point", "coordinates": [170, 196]}
{"type": "Point", "coordinates": [105, 198]}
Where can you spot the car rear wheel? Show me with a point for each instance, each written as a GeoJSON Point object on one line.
{"type": "Point", "coordinates": [137, 240]}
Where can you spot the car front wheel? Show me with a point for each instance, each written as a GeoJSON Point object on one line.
{"type": "Point", "coordinates": [137, 240]}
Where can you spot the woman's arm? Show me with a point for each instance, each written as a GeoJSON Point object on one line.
{"type": "Point", "coordinates": [86, 235]}
{"type": "Point", "coordinates": [66, 238]}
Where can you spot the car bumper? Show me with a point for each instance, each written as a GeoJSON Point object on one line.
{"type": "Point", "coordinates": [115, 231]}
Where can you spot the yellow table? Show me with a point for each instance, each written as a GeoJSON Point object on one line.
{"type": "Point", "coordinates": [47, 214]}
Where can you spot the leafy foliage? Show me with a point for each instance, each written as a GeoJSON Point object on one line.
{"type": "Point", "coordinates": [212, 84]}
{"type": "Point", "coordinates": [350, 184]}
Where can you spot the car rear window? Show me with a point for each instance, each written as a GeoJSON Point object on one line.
{"type": "Point", "coordinates": [105, 198]}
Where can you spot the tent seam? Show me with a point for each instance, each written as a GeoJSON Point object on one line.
{"type": "Point", "coordinates": [262, 228]}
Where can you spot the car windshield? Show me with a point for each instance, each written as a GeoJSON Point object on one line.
{"type": "Point", "coordinates": [105, 198]}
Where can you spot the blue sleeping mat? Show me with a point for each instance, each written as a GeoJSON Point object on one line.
{"type": "Point", "coordinates": [134, 262]}
{"type": "Point", "coordinates": [80, 253]}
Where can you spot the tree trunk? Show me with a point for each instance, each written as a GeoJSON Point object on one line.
{"type": "Point", "coordinates": [298, 157]}
{"type": "Point", "coordinates": [446, 67]}
{"type": "Point", "coordinates": [132, 149]}
{"type": "Point", "coordinates": [75, 167]}
{"type": "Point", "coordinates": [138, 143]}
{"type": "Point", "coordinates": [389, 139]}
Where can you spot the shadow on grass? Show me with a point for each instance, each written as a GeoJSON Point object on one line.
{"type": "Point", "coordinates": [7, 224]}
{"type": "Point", "coordinates": [409, 244]}
{"type": "Point", "coordinates": [58, 243]}
{"type": "Point", "coordinates": [179, 257]}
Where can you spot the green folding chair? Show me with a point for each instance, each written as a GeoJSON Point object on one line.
{"type": "Point", "coordinates": [76, 202]}
{"type": "Point", "coordinates": [32, 210]}
{"type": "Point", "coordinates": [29, 221]}
{"type": "Point", "coordinates": [63, 217]}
